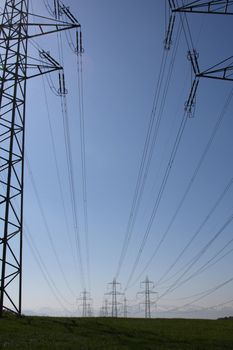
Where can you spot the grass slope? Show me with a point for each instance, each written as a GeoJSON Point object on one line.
{"type": "Point", "coordinates": [107, 333]}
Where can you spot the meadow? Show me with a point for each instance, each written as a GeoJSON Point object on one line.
{"type": "Point", "coordinates": [54, 333]}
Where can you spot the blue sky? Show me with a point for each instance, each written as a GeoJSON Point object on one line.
{"type": "Point", "coordinates": [123, 43]}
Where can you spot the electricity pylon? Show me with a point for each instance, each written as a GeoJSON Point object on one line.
{"type": "Point", "coordinates": [114, 294]}
{"type": "Point", "coordinates": [104, 308]}
{"type": "Point", "coordinates": [89, 310]}
{"type": "Point", "coordinates": [86, 305]}
{"type": "Point", "coordinates": [147, 292]}
{"type": "Point", "coordinates": [17, 27]}
{"type": "Point", "coordinates": [125, 308]}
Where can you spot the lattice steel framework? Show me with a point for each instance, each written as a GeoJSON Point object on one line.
{"type": "Point", "coordinates": [215, 7]}
{"type": "Point", "coordinates": [147, 293]}
{"type": "Point", "coordinates": [15, 69]}
{"type": "Point", "coordinates": [222, 70]}
{"type": "Point", "coordinates": [114, 294]}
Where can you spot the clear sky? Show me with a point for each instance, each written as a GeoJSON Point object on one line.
{"type": "Point", "coordinates": [123, 43]}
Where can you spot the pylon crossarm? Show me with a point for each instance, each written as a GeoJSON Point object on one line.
{"type": "Point", "coordinates": [41, 70]}
{"type": "Point", "coordinates": [220, 74]}
{"type": "Point", "coordinates": [44, 29]}
{"type": "Point", "coordinates": [217, 7]}
{"type": "Point", "coordinates": [222, 70]}
{"type": "Point", "coordinates": [65, 10]}
{"type": "Point", "coordinates": [56, 28]}
{"type": "Point", "coordinates": [48, 65]}
{"type": "Point", "coordinates": [49, 26]}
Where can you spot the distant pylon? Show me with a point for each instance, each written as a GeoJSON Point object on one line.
{"type": "Point", "coordinates": [125, 308]}
{"type": "Point", "coordinates": [89, 310]}
{"type": "Point", "coordinates": [85, 303]}
{"type": "Point", "coordinates": [105, 308]}
{"type": "Point", "coordinates": [148, 290]}
{"type": "Point", "coordinates": [114, 293]}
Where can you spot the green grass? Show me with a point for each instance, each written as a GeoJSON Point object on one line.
{"type": "Point", "coordinates": [107, 333]}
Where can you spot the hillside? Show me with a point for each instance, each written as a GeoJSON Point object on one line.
{"type": "Point", "coordinates": [106, 333]}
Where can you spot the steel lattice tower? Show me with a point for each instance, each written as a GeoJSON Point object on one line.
{"type": "Point", "coordinates": [86, 305]}
{"type": "Point", "coordinates": [15, 69]}
{"type": "Point", "coordinates": [114, 294]}
{"type": "Point", "coordinates": [147, 292]}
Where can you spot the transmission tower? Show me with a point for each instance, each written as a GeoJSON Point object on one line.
{"type": "Point", "coordinates": [147, 292]}
{"type": "Point", "coordinates": [105, 308]}
{"type": "Point", "coordinates": [114, 294]}
{"type": "Point", "coordinates": [17, 27]}
{"type": "Point", "coordinates": [125, 308]}
{"type": "Point", "coordinates": [89, 310]}
{"type": "Point", "coordinates": [85, 303]}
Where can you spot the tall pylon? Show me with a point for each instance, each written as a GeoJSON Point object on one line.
{"type": "Point", "coordinates": [114, 294]}
{"type": "Point", "coordinates": [16, 67]}
{"type": "Point", "coordinates": [147, 292]}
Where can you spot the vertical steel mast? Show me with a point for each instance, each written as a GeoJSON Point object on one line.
{"type": "Point", "coordinates": [12, 114]}
{"type": "Point", "coordinates": [15, 69]}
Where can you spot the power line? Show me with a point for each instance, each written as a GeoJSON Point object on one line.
{"type": "Point", "coordinates": [49, 234]}
{"type": "Point", "coordinates": [205, 294]}
{"type": "Point", "coordinates": [173, 286]}
{"type": "Point", "coordinates": [187, 190]}
{"type": "Point", "coordinates": [58, 174]}
{"type": "Point", "coordinates": [71, 183]}
{"type": "Point", "coordinates": [78, 50]}
{"type": "Point", "coordinates": [151, 139]}
{"type": "Point", "coordinates": [137, 192]}
{"type": "Point", "coordinates": [207, 264]}
{"type": "Point", "coordinates": [47, 276]}
{"type": "Point", "coordinates": [69, 157]}
{"type": "Point", "coordinates": [44, 270]}
{"type": "Point", "coordinates": [159, 195]}
{"type": "Point", "coordinates": [83, 150]}
{"type": "Point", "coordinates": [42, 266]}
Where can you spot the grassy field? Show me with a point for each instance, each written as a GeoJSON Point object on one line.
{"type": "Point", "coordinates": [107, 333]}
